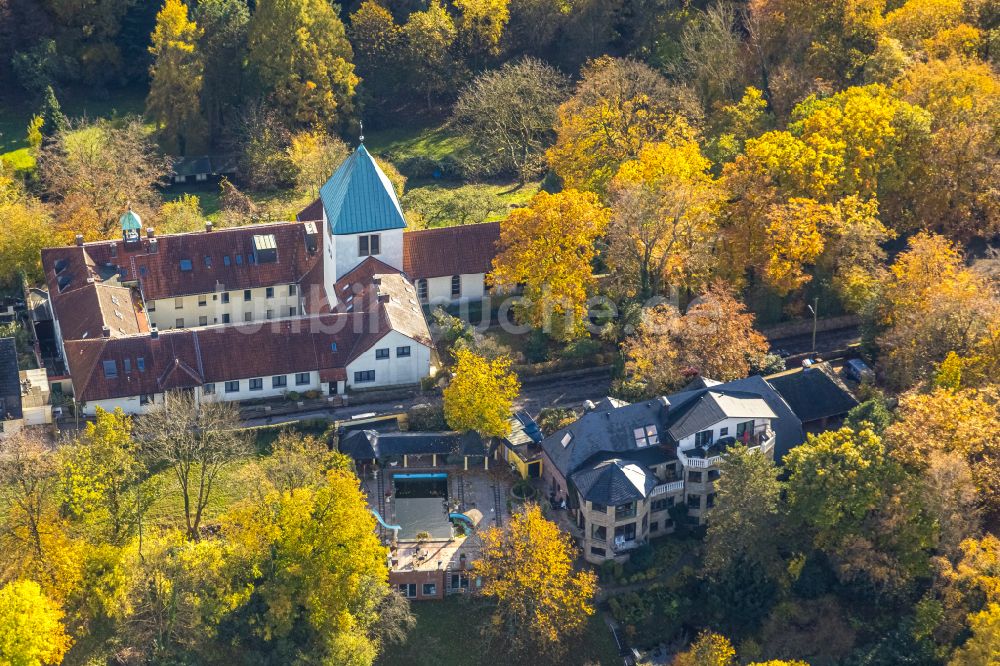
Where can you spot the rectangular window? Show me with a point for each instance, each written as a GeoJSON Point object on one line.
{"type": "Point", "coordinates": [239, 260]}
{"type": "Point", "coordinates": [292, 289]}
{"type": "Point", "coordinates": [269, 314]}
{"type": "Point", "coordinates": [402, 352]}
{"type": "Point", "coordinates": [654, 526]}
{"type": "Point", "coordinates": [127, 363]}
{"type": "Point", "coordinates": [600, 552]}
{"type": "Point", "coordinates": [456, 286]}
{"type": "Point", "coordinates": [646, 436]}
{"type": "Point", "coordinates": [110, 369]}
{"type": "Point", "coordinates": [301, 378]}
{"type": "Point", "coordinates": [186, 265]}
{"type": "Point", "coordinates": [179, 322]}
{"type": "Point", "coordinates": [233, 387]}
{"type": "Point", "coordinates": [208, 389]}
{"type": "Point", "coordinates": [661, 504]}
{"type": "Point", "coordinates": [703, 438]}
{"type": "Point", "coordinates": [178, 303]}
{"type": "Point", "coordinates": [257, 384]}
{"type": "Point", "coordinates": [694, 477]}
{"type": "Point", "coordinates": [744, 429]}
{"type": "Point", "coordinates": [375, 242]}
{"type": "Point", "coordinates": [226, 261]}
{"type": "Point", "coordinates": [292, 311]}
{"type": "Point", "coordinates": [225, 318]}
{"type": "Point", "coordinates": [279, 381]}
{"type": "Point", "coordinates": [247, 295]}
{"type": "Point", "coordinates": [422, 289]}
{"type": "Point", "coordinates": [625, 511]}
{"type": "Point", "coordinates": [408, 589]}
{"type": "Point", "coordinates": [369, 245]}
{"type": "Point", "coordinates": [363, 246]}
{"type": "Point", "coordinates": [247, 316]}
{"type": "Point", "coordinates": [364, 376]}
{"type": "Point", "coordinates": [269, 292]}
{"type": "Point", "coordinates": [694, 501]}
{"type": "Point", "coordinates": [430, 589]}
{"type": "Point", "coordinates": [203, 320]}
{"type": "Point", "coordinates": [598, 532]}
{"type": "Point", "coordinates": [208, 261]}
{"type": "Point", "coordinates": [140, 363]}
{"type": "Point", "coordinates": [382, 353]}
{"type": "Point", "coordinates": [625, 532]}
{"type": "Point", "coordinates": [599, 508]}
{"type": "Point", "coordinates": [225, 297]}
{"type": "Point", "coordinates": [723, 432]}
{"type": "Point", "coordinates": [459, 582]}
{"type": "Point", "coordinates": [202, 301]}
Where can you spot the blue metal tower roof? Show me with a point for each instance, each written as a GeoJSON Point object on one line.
{"type": "Point", "coordinates": [130, 221]}
{"type": "Point", "coordinates": [359, 198]}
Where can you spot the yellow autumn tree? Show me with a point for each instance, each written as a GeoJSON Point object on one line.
{"type": "Point", "coordinates": [481, 25]}
{"type": "Point", "coordinates": [709, 649]}
{"type": "Point", "coordinates": [541, 601]}
{"type": "Point", "coordinates": [795, 231]}
{"type": "Point", "coordinates": [929, 304]}
{"type": "Point", "coordinates": [316, 155]}
{"type": "Point", "coordinates": [664, 221]}
{"type": "Point", "coordinates": [300, 51]}
{"type": "Point", "coordinates": [548, 248]}
{"type": "Point", "coordinates": [31, 629]}
{"type": "Point", "coordinates": [917, 20]}
{"type": "Point", "coordinates": [983, 646]}
{"type": "Point", "coordinates": [174, 101]}
{"type": "Point", "coordinates": [946, 420]}
{"type": "Point", "coordinates": [481, 394]}
{"type": "Point", "coordinates": [958, 195]}
{"type": "Point", "coordinates": [619, 106]}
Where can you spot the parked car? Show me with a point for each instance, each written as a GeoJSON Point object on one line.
{"type": "Point", "coordinates": [859, 371]}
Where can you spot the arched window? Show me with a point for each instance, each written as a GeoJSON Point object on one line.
{"type": "Point", "coordinates": [456, 286]}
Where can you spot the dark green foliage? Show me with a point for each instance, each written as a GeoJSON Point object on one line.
{"type": "Point", "coordinates": [53, 119]}
{"type": "Point", "coordinates": [874, 412]}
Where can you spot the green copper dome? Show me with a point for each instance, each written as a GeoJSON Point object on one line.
{"type": "Point", "coordinates": [130, 221]}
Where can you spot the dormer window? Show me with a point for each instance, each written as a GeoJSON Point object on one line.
{"type": "Point", "coordinates": [646, 436]}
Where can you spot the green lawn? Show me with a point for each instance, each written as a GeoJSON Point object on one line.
{"type": "Point", "coordinates": [448, 634]}
{"type": "Point", "coordinates": [168, 508]}
{"type": "Point", "coordinates": [14, 117]}
{"type": "Point", "coordinates": [434, 143]}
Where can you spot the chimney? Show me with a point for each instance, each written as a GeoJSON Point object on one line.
{"type": "Point", "coordinates": [149, 232]}
{"type": "Point", "coordinates": [154, 246]}
{"type": "Point", "coordinates": [208, 226]}
{"type": "Point", "coordinates": [79, 240]}
{"type": "Point", "coordinates": [106, 332]}
{"type": "Point", "coordinates": [663, 401]}
{"type": "Point", "coordinates": [588, 406]}
{"type": "Point", "coordinates": [383, 298]}
{"type": "Point", "coordinates": [154, 333]}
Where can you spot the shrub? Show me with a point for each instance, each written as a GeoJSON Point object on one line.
{"type": "Point", "coordinates": [292, 395]}
{"type": "Point", "coordinates": [579, 349]}
{"type": "Point", "coordinates": [551, 419]}
{"type": "Point", "coordinates": [426, 418]}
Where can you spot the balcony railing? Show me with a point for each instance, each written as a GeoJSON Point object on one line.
{"type": "Point", "coordinates": [621, 545]}
{"type": "Point", "coordinates": [665, 488]}
{"type": "Point", "coordinates": [761, 440]}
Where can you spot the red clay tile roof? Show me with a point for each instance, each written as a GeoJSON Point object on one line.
{"type": "Point", "coordinates": [160, 275]}
{"type": "Point", "coordinates": [313, 212]}
{"type": "Point", "coordinates": [445, 251]}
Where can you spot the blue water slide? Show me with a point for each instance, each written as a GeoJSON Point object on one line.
{"type": "Point", "coordinates": [381, 522]}
{"type": "Point", "coordinates": [463, 517]}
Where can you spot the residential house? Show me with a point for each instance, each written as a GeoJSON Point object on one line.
{"type": "Point", "coordinates": [815, 393]}
{"type": "Point", "coordinates": [621, 468]}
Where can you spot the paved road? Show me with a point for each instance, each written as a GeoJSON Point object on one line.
{"type": "Point", "coordinates": [562, 392]}
{"type": "Point", "coordinates": [826, 341]}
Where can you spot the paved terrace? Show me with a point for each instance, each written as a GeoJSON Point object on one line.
{"type": "Point", "coordinates": [482, 495]}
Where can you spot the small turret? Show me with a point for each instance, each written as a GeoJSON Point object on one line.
{"type": "Point", "coordinates": [131, 225]}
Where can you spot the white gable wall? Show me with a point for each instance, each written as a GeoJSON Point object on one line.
{"type": "Point", "coordinates": [393, 370]}
{"type": "Point", "coordinates": [688, 442]}
{"type": "Point", "coordinates": [439, 289]}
